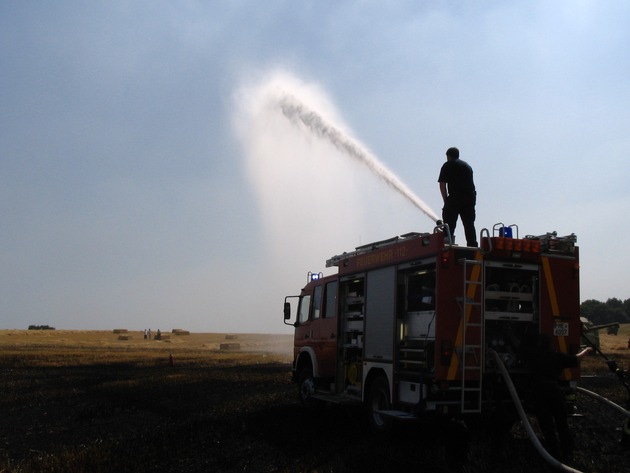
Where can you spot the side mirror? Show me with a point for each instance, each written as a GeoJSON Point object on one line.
{"type": "Point", "coordinates": [287, 310]}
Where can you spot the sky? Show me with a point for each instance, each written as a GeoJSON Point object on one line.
{"type": "Point", "coordinates": [149, 179]}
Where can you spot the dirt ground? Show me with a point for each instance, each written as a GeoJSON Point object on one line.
{"type": "Point", "coordinates": [90, 402]}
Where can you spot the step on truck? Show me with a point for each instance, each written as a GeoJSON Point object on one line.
{"type": "Point", "coordinates": [406, 324]}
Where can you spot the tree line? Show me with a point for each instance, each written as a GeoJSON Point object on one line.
{"type": "Point", "coordinates": [613, 310]}
{"type": "Point", "coordinates": [40, 327]}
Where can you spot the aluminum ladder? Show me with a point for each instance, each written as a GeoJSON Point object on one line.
{"type": "Point", "coordinates": [472, 352]}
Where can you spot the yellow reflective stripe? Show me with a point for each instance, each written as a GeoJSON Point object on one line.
{"type": "Point", "coordinates": [472, 289]}
{"type": "Point", "coordinates": [550, 287]}
{"type": "Point", "coordinates": [555, 309]}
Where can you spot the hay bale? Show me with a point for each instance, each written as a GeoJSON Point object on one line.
{"type": "Point", "coordinates": [179, 331]}
{"type": "Point", "coordinates": [231, 337]}
{"type": "Point", "coordinates": [120, 330]}
{"type": "Point", "coordinates": [124, 337]}
{"type": "Point", "coordinates": [230, 346]}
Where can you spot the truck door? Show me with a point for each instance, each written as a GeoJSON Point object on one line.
{"type": "Point", "coordinates": [303, 324]}
{"type": "Point", "coordinates": [324, 328]}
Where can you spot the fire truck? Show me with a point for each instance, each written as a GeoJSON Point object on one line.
{"type": "Point", "coordinates": [406, 324]}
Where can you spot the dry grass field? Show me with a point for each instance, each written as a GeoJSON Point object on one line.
{"type": "Point", "coordinates": [80, 401]}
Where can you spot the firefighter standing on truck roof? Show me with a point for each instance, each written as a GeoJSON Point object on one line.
{"type": "Point", "coordinates": [459, 195]}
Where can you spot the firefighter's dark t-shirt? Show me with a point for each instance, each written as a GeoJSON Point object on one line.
{"type": "Point", "coordinates": [459, 177]}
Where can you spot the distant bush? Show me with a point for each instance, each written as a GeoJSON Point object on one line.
{"type": "Point", "coordinates": [40, 327]}
{"type": "Point", "coordinates": [613, 310]}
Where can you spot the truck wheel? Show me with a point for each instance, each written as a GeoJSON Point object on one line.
{"type": "Point", "coordinates": [378, 400]}
{"type": "Point", "coordinates": [306, 387]}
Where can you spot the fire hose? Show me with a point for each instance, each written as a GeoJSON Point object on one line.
{"type": "Point", "coordinates": [528, 427]}
{"type": "Point", "coordinates": [608, 402]}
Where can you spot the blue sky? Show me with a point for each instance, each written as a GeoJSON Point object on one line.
{"type": "Point", "coordinates": [145, 183]}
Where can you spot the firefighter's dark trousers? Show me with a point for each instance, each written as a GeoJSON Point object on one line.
{"type": "Point", "coordinates": [461, 206]}
{"type": "Point", "coordinates": [551, 412]}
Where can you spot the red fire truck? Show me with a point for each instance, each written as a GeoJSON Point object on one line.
{"type": "Point", "coordinates": [406, 323]}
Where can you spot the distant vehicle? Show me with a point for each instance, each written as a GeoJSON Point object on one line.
{"type": "Point", "coordinates": [405, 324]}
{"type": "Point", "coordinates": [591, 331]}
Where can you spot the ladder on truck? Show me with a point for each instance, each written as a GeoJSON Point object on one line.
{"type": "Point", "coordinates": [472, 356]}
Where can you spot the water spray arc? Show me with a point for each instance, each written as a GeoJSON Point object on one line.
{"type": "Point", "coordinates": [297, 112]}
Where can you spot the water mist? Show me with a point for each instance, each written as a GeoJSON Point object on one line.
{"type": "Point", "coordinates": [317, 190]}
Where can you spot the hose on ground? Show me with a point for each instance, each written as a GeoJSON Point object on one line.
{"type": "Point", "coordinates": [528, 427]}
{"type": "Point", "coordinates": [608, 402]}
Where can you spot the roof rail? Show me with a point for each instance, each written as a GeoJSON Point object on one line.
{"type": "Point", "coordinates": [359, 250]}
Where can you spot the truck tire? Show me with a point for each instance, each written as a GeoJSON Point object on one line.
{"type": "Point", "coordinates": [306, 387]}
{"type": "Point", "coordinates": [378, 400]}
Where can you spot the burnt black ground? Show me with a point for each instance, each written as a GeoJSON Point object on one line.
{"type": "Point", "coordinates": [242, 414]}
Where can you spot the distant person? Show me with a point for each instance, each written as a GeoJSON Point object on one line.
{"type": "Point", "coordinates": [548, 397]}
{"type": "Point", "coordinates": [158, 335]}
{"type": "Point", "coordinates": [459, 195]}
{"type": "Point", "coordinates": [145, 333]}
